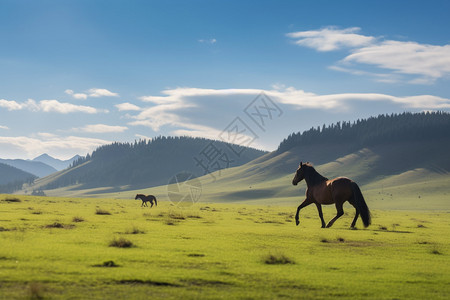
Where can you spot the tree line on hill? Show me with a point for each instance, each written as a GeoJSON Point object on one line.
{"type": "Point", "coordinates": [12, 179]}
{"type": "Point", "coordinates": [382, 129]}
{"type": "Point", "coordinates": [146, 163]}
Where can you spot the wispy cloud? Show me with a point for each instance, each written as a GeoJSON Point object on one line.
{"type": "Point", "coordinates": [100, 128]}
{"type": "Point", "coordinates": [331, 38]}
{"type": "Point", "coordinates": [60, 146]}
{"type": "Point", "coordinates": [205, 112]}
{"type": "Point", "coordinates": [76, 95]}
{"type": "Point", "coordinates": [430, 62]}
{"type": "Point", "coordinates": [48, 106]}
{"type": "Point", "coordinates": [94, 93]}
{"type": "Point", "coordinates": [4, 127]}
{"type": "Point", "coordinates": [65, 108]}
{"type": "Point", "coordinates": [127, 107]}
{"type": "Point", "coordinates": [426, 62]}
{"type": "Point", "coordinates": [11, 105]}
{"type": "Point", "coordinates": [101, 93]}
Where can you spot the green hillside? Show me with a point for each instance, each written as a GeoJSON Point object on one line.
{"type": "Point", "coordinates": [146, 163]}
{"type": "Point", "coordinates": [11, 178]}
{"type": "Point", "coordinates": [403, 164]}
{"type": "Point", "coordinates": [399, 172]}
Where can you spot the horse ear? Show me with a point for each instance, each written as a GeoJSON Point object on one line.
{"type": "Point", "coordinates": [301, 164]}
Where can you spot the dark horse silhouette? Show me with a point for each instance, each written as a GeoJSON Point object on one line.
{"type": "Point", "coordinates": [145, 199]}
{"type": "Point", "coordinates": [320, 191]}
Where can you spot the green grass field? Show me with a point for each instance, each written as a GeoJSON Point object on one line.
{"type": "Point", "coordinates": [82, 248]}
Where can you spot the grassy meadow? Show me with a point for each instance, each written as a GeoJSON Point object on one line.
{"type": "Point", "coordinates": [83, 248]}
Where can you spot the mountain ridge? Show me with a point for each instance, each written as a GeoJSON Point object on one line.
{"type": "Point", "coordinates": [57, 164]}
{"type": "Point", "coordinates": [148, 163]}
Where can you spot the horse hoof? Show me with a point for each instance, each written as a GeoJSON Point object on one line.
{"type": "Point", "coordinates": [297, 222]}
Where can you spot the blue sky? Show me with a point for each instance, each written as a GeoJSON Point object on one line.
{"type": "Point", "coordinates": [78, 74]}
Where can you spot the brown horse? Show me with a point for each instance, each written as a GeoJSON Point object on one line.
{"type": "Point", "coordinates": [320, 191]}
{"type": "Point", "coordinates": [146, 199]}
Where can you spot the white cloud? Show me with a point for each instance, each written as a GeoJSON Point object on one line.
{"type": "Point", "coordinates": [4, 127]}
{"type": "Point", "coordinates": [143, 137]}
{"type": "Point", "coordinates": [48, 106]}
{"type": "Point", "coordinates": [101, 93]}
{"type": "Point", "coordinates": [65, 108]}
{"type": "Point", "coordinates": [127, 107]}
{"type": "Point", "coordinates": [331, 38]}
{"type": "Point", "coordinates": [11, 105]}
{"type": "Point", "coordinates": [206, 112]}
{"type": "Point", "coordinates": [175, 109]}
{"type": "Point", "coordinates": [94, 93]}
{"type": "Point", "coordinates": [101, 128]}
{"type": "Point", "coordinates": [195, 130]}
{"type": "Point", "coordinates": [426, 62]}
{"type": "Point", "coordinates": [79, 96]}
{"type": "Point", "coordinates": [57, 146]}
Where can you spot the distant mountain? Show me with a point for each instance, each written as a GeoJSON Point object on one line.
{"type": "Point", "coordinates": [37, 168]}
{"type": "Point", "coordinates": [149, 163]}
{"type": "Point", "coordinates": [56, 163]}
{"type": "Point", "coordinates": [11, 178]}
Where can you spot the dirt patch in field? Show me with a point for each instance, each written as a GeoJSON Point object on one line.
{"type": "Point", "coordinates": [205, 282]}
{"type": "Point", "coordinates": [59, 225]}
{"type": "Point", "coordinates": [146, 282]}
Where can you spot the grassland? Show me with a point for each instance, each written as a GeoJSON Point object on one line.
{"type": "Point", "coordinates": [83, 248]}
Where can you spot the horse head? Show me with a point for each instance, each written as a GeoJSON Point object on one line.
{"type": "Point", "coordinates": [299, 174]}
{"type": "Point", "coordinates": [137, 197]}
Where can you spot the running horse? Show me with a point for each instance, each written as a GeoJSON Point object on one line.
{"type": "Point", "coordinates": [320, 191]}
{"type": "Point", "coordinates": [145, 199]}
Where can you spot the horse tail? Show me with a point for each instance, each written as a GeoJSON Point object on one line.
{"type": "Point", "coordinates": [156, 202]}
{"type": "Point", "coordinates": [361, 205]}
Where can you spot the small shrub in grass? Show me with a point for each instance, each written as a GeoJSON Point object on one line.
{"type": "Point", "coordinates": [277, 259]}
{"type": "Point", "coordinates": [12, 200]}
{"type": "Point", "coordinates": [100, 211]}
{"type": "Point", "coordinates": [77, 219]}
{"type": "Point", "coordinates": [60, 225]}
{"type": "Point", "coordinates": [107, 264]}
{"type": "Point", "coordinates": [121, 243]}
{"type": "Point", "coordinates": [436, 251]}
{"type": "Point", "coordinates": [134, 230]}
{"type": "Point", "coordinates": [55, 225]}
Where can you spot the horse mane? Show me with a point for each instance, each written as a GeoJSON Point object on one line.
{"type": "Point", "coordinates": [312, 176]}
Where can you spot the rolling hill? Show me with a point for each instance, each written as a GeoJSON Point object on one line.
{"type": "Point", "coordinates": [400, 161]}
{"type": "Point", "coordinates": [147, 163]}
{"type": "Point", "coordinates": [36, 168]}
{"type": "Point", "coordinates": [11, 178]}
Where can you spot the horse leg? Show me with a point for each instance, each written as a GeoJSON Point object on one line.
{"type": "Point", "coordinates": [356, 213]}
{"type": "Point", "coordinates": [319, 208]}
{"type": "Point", "coordinates": [354, 220]}
{"type": "Point", "coordinates": [340, 212]}
{"type": "Point", "coordinates": [151, 204]}
{"type": "Point", "coordinates": [304, 203]}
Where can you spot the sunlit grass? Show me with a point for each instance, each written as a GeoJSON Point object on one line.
{"type": "Point", "coordinates": [213, 250]}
